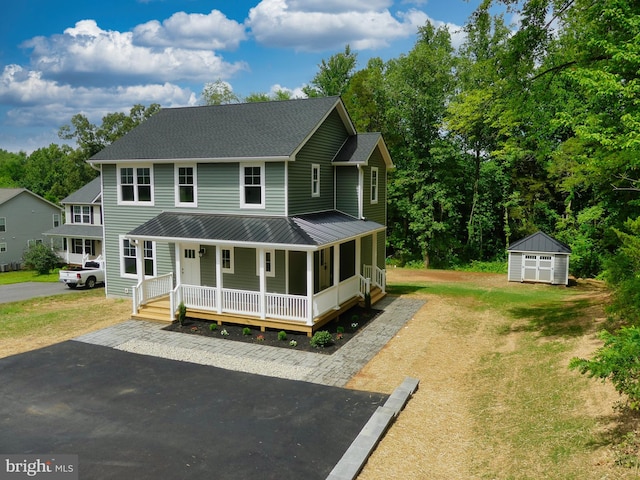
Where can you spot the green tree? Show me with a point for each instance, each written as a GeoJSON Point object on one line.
{"type": "Point", "coordinates": [40, 258]}
{"type": "Point", "coordinates": [218, 93]}
{"type": "Point", "coordinates": [333, 75]}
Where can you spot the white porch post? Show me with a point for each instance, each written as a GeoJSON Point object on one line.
{"type": "Point", "coordinates": [359, 255]}
{"type": "Point", "coordinates": [374, 254]}
{"type": "Point", "coordinates": [336, 275]}
{"type": "Point", "coordinates": [178, 254]}
{"type": "Point", "coordinates": [309, 287]}
{"type": "Point", "coordinates": [219, 278]}
{"type": "Point", "coordinates": [139, 259]}
{"type": "Point", "coordinates": [263, 284]}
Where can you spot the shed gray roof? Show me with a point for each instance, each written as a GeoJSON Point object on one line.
{"type": "Point", "coordinates": [234, 131]}
{"type": "Point", "coordinates": [311, 230]}
{"type": "Point", "coordinates": [358, 149]}
{"type": "Point", "coordinates": [539, 242]}
{"type": "Point", "coordinates": [88, 194]}
{"type": "Point", "coordinates": [76, 231]}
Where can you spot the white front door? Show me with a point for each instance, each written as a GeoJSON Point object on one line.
{"type": "Point", "coordinates": [189, 264]}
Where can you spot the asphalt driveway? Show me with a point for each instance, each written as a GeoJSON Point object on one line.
{"type": "Point", "coordinates": [26, 290]}
{"type": "Point", "coordinates": [135, 416]}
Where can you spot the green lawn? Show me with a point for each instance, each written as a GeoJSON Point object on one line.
{"type": "Point", "coordinates": [7, 278]}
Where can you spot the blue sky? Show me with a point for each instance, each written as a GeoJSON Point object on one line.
{"type": "Point", "coordinates": [61, 58]}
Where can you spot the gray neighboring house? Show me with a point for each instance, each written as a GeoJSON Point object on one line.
{"type": "Point", "coordinates": [267, 213]}
{"type": "Point", "coordinates": [80, 237]}
{"type": "Point", "coordinates": [539, 258]}
{"type": "Point", "coordinates": [23, 217]}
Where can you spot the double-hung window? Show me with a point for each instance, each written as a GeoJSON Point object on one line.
{"type": "Point", "coordinates": [252, 186]}
{"type": "Point", "coordinates": [129, 265]}
{"type": "Point", "coordinates": [186, 193]}
{"type": "Point", "coordinates": [135, 185]}
{"type": "Point", "coordinates": [226, 255]}
{"type": "Point", "coordinates": [269, 263]}
{"type": "Point", "coordinates": [81, 214]}
{"type": "Point", "coordinates": [374, 184]}
{"type": "Point", "coordinates": [315, 180]}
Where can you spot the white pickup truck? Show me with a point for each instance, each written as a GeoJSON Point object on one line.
{"type": "Point", "coordinates": [91, 273]}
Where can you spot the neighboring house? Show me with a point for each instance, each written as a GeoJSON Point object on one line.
{"type": "Point", "coordinates": [23, 217]}
{"type": "Point", "coordinates": [539, 258]}
{"type": "Point", "coordinates": [81, 233]}
{"type": "Point", "coordinates": [270, 214]}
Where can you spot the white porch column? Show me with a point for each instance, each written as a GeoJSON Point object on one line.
{"type": "Point", "coordinates": [263, 283]}
{"type": "Point", "coordinates": [177, 251]}
{"type": "Point", "coordinates": [219, 278]}
{"type": "Point", "coordinates": [139, 259]}
{"type": "Point", "coordinates": [309, 287]}
{"type": "Point", "coordinates": [374, 254]}
{"type": "Point", "coordinates": [359, 255]}
{"type": "Point", "coordinates": [336, 275]}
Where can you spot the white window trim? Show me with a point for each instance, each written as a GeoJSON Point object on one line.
{"type": "Point", "coordinates": [315, 168]}
{"type": "Point", "coordinates": [231, 261]}
{"type": "Point", "coordinates": [271, 273]}
{"type": "Point", "coordinates": [243, 204]}
{"type": "Point", "coordinates": [135, 185]}
{"type": "Point", "coordinates": [81, 207]}
{"type": "Point", "coordinates": [374, 198]}
{"type": "Point", "coordinates": [57, 219]}
{"type": "Point", "coordinates": [3, 247]}
{"type": "Point", "coordinates": [193, 204]}
{"type": "Point", "coordinates": [123, 274]}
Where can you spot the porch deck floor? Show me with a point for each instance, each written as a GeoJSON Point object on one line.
{"type": "Point", "coordinates": [148, 338]}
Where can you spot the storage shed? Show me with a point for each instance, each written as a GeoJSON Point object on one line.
{"type": "Point", "coordinates": [539, 258]}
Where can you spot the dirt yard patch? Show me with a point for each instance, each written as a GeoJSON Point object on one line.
{"type": "Point", "coordinates": [451, 345]}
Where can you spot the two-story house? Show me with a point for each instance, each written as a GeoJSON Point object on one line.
{"type": "Point", "coordinates": [269, 214]}
{"type": "Point", "coordinates": [23, 217]}
{"type": "Point", "coordinates": [81, 233]}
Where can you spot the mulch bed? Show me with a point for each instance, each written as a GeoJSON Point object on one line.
{"type": "Point", "coordinates": [347, 323]}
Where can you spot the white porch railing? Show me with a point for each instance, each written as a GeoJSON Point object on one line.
{"type": "Point", "coordinates": [242, 302]}
{"type": "Point", "coordinates": [286, 307]}
{"type": "Point", "coordinates": [151, 288]}
{"type": "Point", "coordinates": [377, 275]}
{"type": "Point", "coordinates": [331, 298]}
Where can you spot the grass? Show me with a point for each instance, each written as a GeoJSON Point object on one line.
{"type": "Point", "coordinates": [21, 276]}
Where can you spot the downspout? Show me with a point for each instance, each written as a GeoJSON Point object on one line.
{"type": "Point", "coordinates": [360, 191]}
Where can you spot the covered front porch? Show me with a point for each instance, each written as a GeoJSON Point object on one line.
{"type": "Point", "coordinates": [297, 286]}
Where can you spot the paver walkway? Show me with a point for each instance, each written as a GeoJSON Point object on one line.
{"type": "Point", "coordinates": [148, 338]}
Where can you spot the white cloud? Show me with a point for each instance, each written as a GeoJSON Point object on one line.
{"type": "Point", "coordinates": [192, 31]}
{"type": "Point", "coordinates": [313, 25]}
{"type": "Point", "coordinates": [37, 101]}
{"type": "Point", "coordinates": [90, 55]}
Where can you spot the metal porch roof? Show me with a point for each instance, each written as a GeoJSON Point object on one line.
{"type": "Point", "coordinates": [311, 230]}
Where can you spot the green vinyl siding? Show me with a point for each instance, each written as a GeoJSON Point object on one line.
{"type": "Point", "coordinates": [366, 250]}
{"type": "Point", "coordinates": [278, 283]}
{"type": "Point", "coordinates": [375, 211]}
{"type": "Point", "coordinates": [208, 266]}
{"type": "Point", "coordinates": [244, 271]}
{"type": "Point", "coordinates": [320, 149]}
{"type": "Point", "coordinates": [347, 190]}
{"type": "Point", "coordinates": [297, 273]}
{"type": "Point", "coordinates": [382, 253]}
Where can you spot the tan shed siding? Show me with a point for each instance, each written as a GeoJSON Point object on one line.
{"type": "Point", "coordinates": [347, 190]}
{"type": "Point", "coordinates": [375, 211]}
{"type": "Point", "coordinates": [320, 149]}
{"type": "Point", "coordinates": [120, 220]}
{"type": "Point", "coordinates": [515, 267]}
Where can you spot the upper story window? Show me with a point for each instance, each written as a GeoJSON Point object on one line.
{"type": "Point", "coordinates": [252, 186]}
{"type": "Point", "coordinates": [374, 184]}
{"type": "Point", "coordinates": [135, 185]}
{"type": "Point", "coordinates": [81, 214]}
{"type": "Point", "coordinates": [315, 180]}
{"type": "Point", "coordinates": [3, 224]}
{"type": "Point", "coordinates": [56, 220]}
{"type": "Point", "coordinates": [186, 193]}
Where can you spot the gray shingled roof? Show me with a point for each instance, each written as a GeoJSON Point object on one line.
{"type": "Point", "coordinates": [539, 242]}
{"type": "Point", "coordinates": [234, 131]}
{"type": "Point", "coordinates": [76, 231]}
{"type": "Point", "coordinates": [305, 230]}
{"type": "Point", "coordinates": [88, 194]}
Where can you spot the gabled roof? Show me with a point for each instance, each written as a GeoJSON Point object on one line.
{"type": "Point", "coordinates": [304, 231]}
{"type": "Point", "coordinates": [7, 194]}
{"type": "Point", "coordinates": [358, 149]}
{"type": "Point", "coordinates": [87, 195]}
{"type": "Point", "coordinates": [262, 130]}
{"type": "Point", "coordinates": [539, 242]}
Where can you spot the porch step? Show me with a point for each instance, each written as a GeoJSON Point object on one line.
{"type": "Point", "coordinates": [157, 311]}
{"type": "Point", "coordinates": [376, 295]}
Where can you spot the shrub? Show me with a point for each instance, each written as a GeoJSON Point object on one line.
{"type": "Point", "coordinates": [321, 339]}
{"type": "Point", "coordinates": [182, 313]}
{"type": "Point", "coordinates": [282, 335]}
{"type": "Point", "coordinates": [246, 331]}
{"type": "Point", "coordinates": [40, 258]}
{"type": "Point", "coordinates": [340, 329]}
{"type": "Point", "coordinates": [213, 326]}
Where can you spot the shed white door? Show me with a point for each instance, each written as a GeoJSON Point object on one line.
{"type": "Point", "coordinates": [190, 265]}
{"type": "Point", "coordinates": [537, 268]}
